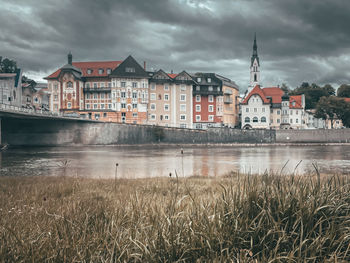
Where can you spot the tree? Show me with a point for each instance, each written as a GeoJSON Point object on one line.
{"type": "Point", "coordinates": [333, 108]}
{"type": "Point", "coordinates": [285, 88]}
{"type": "Point", "coordinates": [313, 93]}
{"type": "Point", "coordinates": [7, 65]}
{"type": "Point", "coordinates": [344, 91]}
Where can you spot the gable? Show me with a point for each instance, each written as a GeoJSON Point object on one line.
{"type": "Point", "coordinates": [161, 75]}
{"type": "Point", "coordinates": [184, 77]}
{"type": "Point", "coordinates": [129, 68]}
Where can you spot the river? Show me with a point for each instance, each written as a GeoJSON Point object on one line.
{"type": "Point", "coordinates": [153, 161]}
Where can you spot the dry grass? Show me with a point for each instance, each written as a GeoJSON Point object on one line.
{"type": "Point", "coordinates": [233, 219]}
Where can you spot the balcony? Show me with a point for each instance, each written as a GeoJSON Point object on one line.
{"type": "Point", "coordinates": [228, 92]}
{"type": "Point", "coordinates": [228, 101]}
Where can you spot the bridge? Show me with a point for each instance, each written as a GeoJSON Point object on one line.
{"type": "Point", "coordinates": [14, 118]}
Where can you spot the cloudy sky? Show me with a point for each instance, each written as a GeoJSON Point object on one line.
{"type": "Point", "coordinates": [298, 40]}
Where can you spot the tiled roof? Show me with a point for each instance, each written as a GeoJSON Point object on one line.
{"type": "Point", "coordinates": [275, 93]}
{"type": "Point", "coordinates": [256, 91]}
{"type": "Point", "coordinates": [346, 99]}
{"type": "Point", "coordinates": [298, 102]}
{"type": "Point", "coordinates": [93, 65]}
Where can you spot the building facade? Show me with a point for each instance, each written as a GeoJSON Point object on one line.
{"type": "Point", "coordinates": [11, 88]}
{"type": "Point", "coordinates": [170, 100]}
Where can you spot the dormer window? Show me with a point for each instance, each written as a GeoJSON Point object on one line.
{"type": "Point", "coordinates": [209, 80]}
{"type": "Point", "coordinates": [89, 71]}
{"type": "Point", "coordinates": [100, 71]}
{"type": "Point", "coordinates": [210, 88]}
{"type": "Point", "coordinates": [109, 71]}
{"type": "Point", "coordinates": [293, 103]}
{"type": "Point", "coordinates": [199, 79]}
{"type": "Point", "coordinates": [130, 70]}
{"type": "Point", "coordinates": [198, 88]}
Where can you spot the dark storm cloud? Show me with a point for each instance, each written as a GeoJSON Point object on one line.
{"type": "Point", "coordinates": [298, 40]}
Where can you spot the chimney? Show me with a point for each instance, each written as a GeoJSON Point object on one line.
{"type": "Point", "coordinates": [70, 58]}
{"type": "Point", "coordinates": [144, 65]}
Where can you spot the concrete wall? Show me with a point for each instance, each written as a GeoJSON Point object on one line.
{"type": "Point", "coordinates": [58, 132]}
{"type": "Point", "coordinates": [313, 136]}
{"type": "Point", "coordinates": [39, 132]}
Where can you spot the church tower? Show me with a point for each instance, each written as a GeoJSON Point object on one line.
{"type": "Point", "coordinates": [254, 67]}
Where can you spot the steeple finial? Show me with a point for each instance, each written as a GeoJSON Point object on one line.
{"type": "Point", "coordinates": [70, 58]}
{"type": "Point", "coordinates": [255, 52]}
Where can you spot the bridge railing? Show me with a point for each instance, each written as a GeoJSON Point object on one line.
{"type": "Point", "coordinates": [12, 108]}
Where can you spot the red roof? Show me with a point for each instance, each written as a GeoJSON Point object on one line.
{"type": "Point", "coordinates": [275, 93]}
{"type": "Point", "coordinates": [256, 91]}
{"type": "Point", "coordinates": [172, 75]}
{"type": "Point", "coordinates": [93, 65]}
{"type": "Point", "coordinates": [346, 99]}
{"type": "Point", "coordinates": [298, 102]}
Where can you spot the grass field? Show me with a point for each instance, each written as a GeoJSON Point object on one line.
{"type": "Point", "coordinates": [236, 218]}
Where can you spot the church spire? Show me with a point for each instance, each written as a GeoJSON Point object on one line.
{"type": "Point", "coordinates": [255, 52]}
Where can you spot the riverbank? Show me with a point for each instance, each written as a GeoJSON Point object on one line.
{"type": "Point", "coordinates": [235, 217]}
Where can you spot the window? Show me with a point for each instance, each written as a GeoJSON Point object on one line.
{"type": "Point", "coordinates": [109, 71]}
{"type": "Point", "coordinates": [89, 71]}
{"type": "Point", "coordinates": [211, 98]}
{"type": "Point", "coordinates": [198, 88]}
{"type": "Point", "coordinates": [166, 87]}
{"type": "Point", "coordinates": [102, 106]}
{"type": "Point", "coordinates": [182, 107]}
{"type": "Point", "coordinates": [199, 79]}
{"type": "Point", "coordinates": [153, 86]}
{"type": "Point", "coordinates": [182, 97]}
{"type": "Point", "coordinates": [105, 114]}
{"type": "Point", "coordinates": [198, 98]}
{"type": "Point", "coordinates": [211, 118]}
{"type": "Point", "coordinates": [87, 95]}
{"type": "Point", "coordinates": [102, 95]}
{"type": "Point", "coordinates": [109, 106]}
{"type": "Point", "coordinates": [255, 119]}
{"type": "Point", "coordinates": [296, 112]}
{"type": "Point", "coordinates": [69, 85]}
{"type": "Point", "coordinates": [95, 95]}
{"type": "Point", "coordinates": [291, 120]}
{"type": "Point", "coordinates": [97, 116]}
{"type": "Point", "coordinates": [263, 119]}
{"type": "Point", "coordinates": [291, 112]}
{"type": "Point", "coordinates": [198, 117]}
{"type": "Point", "coordinates": [296, 121]}
{"type": "Point", "coordinates": [159, 96]}
{"type": "Point", "coordinates": [166, 117]}
{"type": "Point", "coordinates": [183, 125]}
{"type": "Point", "coordinates": [134, 84]}
{"type": "Point", "coordinates": [183, 88]}
{"type": "Point", "coordinates": [263, 109]}
{"type": "Point", "coordinates": [198, 108]}
{"type": "Point", "coordinates": [210, 88]}
{"type": "Point", "coordinates": [246, 109]}
{"type": "Point", "coordinates": [153, 96]}
{"type": "Point", "coordinates": [55, 97]}
{"type": "Point", "coordinates": [130, 70]}
{"type": "Point", "coordinates": [88, 106]}
{"type": "Point", "coordinates": [100, 71]}
{"type": "Point", "coordinates": [247, 119]}
{"type": "Point", "coordinates": [56, 87]}
{"type": "Point", "coordinates": [153, 106]}
{"type": "Point", "coordinates": [166, 96]}
{"type": "Point", "coordinates": [134, 95]}
{"type": "Point", "coordinates": [134, 106]}
{"type": "Point", "coordinates": [134, 114]}
{"type": "Point", "coordinates": [123, 84]}
{"type": "Point", "coordinates": [108, 95]}
{"type": "Point", "coordinates": [102, 84]}
{"type": "Point", "coordinates": [211, 108]}
{"type": "Point", "coordinates": [95, 106]}
{"type": "Point", "coordinates": [166, 107]}
{"type": "Point", "coordinates": [255, 110]}
{"type": "Point", "coordinates": [123, 105]}
{"type": "Point", "coordinates": [183, 117]}
{"type": "Point", "coordinates": [209, 80]}
{"type": "Point", "coordinates": [278, 120]}
{"type": "Point", "coordinates": [153, 117]}
{"type": "Point", "coordinates": [69, 105]}
{"type": "Point", "coordinates": [123, 94]}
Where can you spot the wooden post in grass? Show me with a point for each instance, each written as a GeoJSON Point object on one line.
{"type": "Point", "coordinates": [115, 176]}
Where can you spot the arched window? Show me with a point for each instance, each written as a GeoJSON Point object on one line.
{"type": "Point", "coordinates": [255, 119]}
{"type": "Point", "coordinates": [247, 119]}
{"type": "Point", "coordinates": [254, 77]}
{"type": "Point", "coordinates": [263, 119]}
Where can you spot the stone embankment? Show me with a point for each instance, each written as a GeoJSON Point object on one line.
{"type": "Point", "coordinates": [57, 132]}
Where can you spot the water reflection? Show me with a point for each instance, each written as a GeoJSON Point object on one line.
{"type": "Point", "coordinates": [136, 162]}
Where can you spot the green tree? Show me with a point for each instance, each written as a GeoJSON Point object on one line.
{"type": "Point", "coordinates": [333, 108]}
{"type": "Point", "coordinates": [344, 91]}
{"type": "Point", "coordinates": [7, 65]}
{"type": "Point", "coordinates": [313, 93]}
{"type": "Point", "coordinates": [285, 88]}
